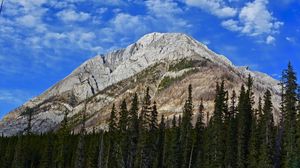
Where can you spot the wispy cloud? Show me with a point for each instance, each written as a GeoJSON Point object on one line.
{"type": "Point", "coordinates": [15, 97]}
{"type": "Point", "coordinates": [215, 7]}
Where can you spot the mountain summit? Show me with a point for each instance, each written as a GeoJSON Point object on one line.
{"type": "Point", "coordinates": [166, 62]}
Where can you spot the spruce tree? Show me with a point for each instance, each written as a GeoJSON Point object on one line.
{"type": "Point", "coordinates": [113, 155]}
{"type": "Point", "coordinates": [29, 114]}
{"type": "Point", "coordinates": [266, 151]}
{"type": "Point", "coordinates": [123, 127]}
{"type": "Point", "coordinates": [153, 121]}
{"type": "Point", "coordinates": [160, 154]}
{"type": "Point", "coordinates": [145, 147]}
{"type": "Point", "coordinates": [231, 134]}
{"type": "Point", "coordinates": [48, 157]}
{"type": "Point", "coordinates": [186, 129]}
{"type": "Point", "coordinates": [80, 151]}
{"type": "Point", "coordinates": [198, 157]}
{"type": "Point", "coordinates": [19, 154]}
{"type": "Point", "coordinates": [100, 150]}
{"type": "Point", "coordinates": [133, 130]}
{"type": "Point", "coordinates": [289, 117]}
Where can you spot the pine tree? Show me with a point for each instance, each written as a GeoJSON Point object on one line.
{"type": "Point", "coordinates": [100, 150]}
{"type": "Point", "coordinates": [29, 114]}
{"type": "Point", "coordinates": [266, 152]}
{"type": "Point", "coordinates": [145, 118]}
{"type": "Point", "coordinates": [217, 126]}
{"type": "Point", "coordinates": [19, 154]}
{"type": "Point", "coordinates": [186, 129]}
{"type": "Point", "coordinates": [289, 117]}
{"type": "Point", "coordinates": [113, 155]}
{"type": "Point", "coordinates": [123, 127]}
{"type": "Point", "coordinates": [133, 131]}
{"type": "Point", "coordinates": [145, 147]}
{"type": "Point", "coordinates": [48, 158]}
{"type": "Point", "coordinates": [80, 152]}
{"type": "Point", "coordinates": [160, 154]}
{"type": "Point", "coordinates": [175, 154]}
{"type": "Point", "coordinates": [231, 134]}
{"type": "Point", "coordinates": [153, 121]}
{"type": "Point", "coordinates": [199, 129]}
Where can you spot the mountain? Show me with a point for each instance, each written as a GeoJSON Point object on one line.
{"type": "Point", "coordinates": [166, 62]}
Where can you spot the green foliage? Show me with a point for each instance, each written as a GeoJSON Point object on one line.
{"type": "Point", "coordinates": [183, 64]}
{"type": "Point", "coordinates": [235, 136]}
{"type": "Point", "coordinates": [168, 81]}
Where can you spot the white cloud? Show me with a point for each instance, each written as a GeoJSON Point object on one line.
{"type": "Point", "coordinates": [231, 25]}
{"type": "Point", "coordinates": [167, 12]}
{"type": "Point", "coordinates": [215, 7]}
{"type": "Point", "coordinates": [163, 8]}
{"type": "Point", "coordinates": [126, 24]}
{"type": "Point", "coordinates": [291, 39]}
{"type": "Point", "coordinates": [71, 16]}
{"type": "Point", "coordinates": [254, 19]}
{"type": "Point", "coordinates": [270, 39]}
{"type": "Point", "coordinates": [14, 96]}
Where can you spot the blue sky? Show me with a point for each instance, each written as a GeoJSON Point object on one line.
{"type": "Point", "coordinates": [42, 41]}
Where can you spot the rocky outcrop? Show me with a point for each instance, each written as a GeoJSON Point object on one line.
{"type": "Point", "coordinates": [167, 62]}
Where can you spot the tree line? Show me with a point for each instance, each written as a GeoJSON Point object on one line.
{"type": "Point", "coordinates": [239, 134]}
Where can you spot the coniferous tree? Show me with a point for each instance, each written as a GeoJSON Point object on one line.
{"type": "Point", "coordinates": [160, 154]}
{"type": "Point", "coordinates": [114, 152]}
{"type": "Point", "coordinates": [254, 144]}
{"type": "Point", "coordinates": [186, 129]}
{"type": "Point", "coordinates": [231, 150]}
{"type": "Point", "coordinates": [217, 127]}
{"type": "Point", "coordinates": [153, 121]}
{"type": "Point", "coordinates": [80, 151]}
{"type": "Point", "coordinates": [145, 147]}
{"type": "Point", "coordinates": [133, 130]}
{"type": "Point", "coordinates": [266, 152]}
{"type": "Point", "coordinates": [245, 112]}
{"type": "Point", "coordinates": [29, 114]}
{"type": "Point", "coordinates": [175, 154]}
{"type": "Point", "coordinates": [48, 157]}
{"type": "Point", "coordinates": [289, 117]}
{"type": "Point", "coordinates": [198, 159]}
{"type": "Point", "coordinates": [123, 127]}
{"type": "Point", "coordinates": [19, 154]}
{"type": "Point", "coordinates": [100, 150]}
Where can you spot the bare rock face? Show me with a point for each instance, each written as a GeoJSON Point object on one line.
{"type": "Point", "coordinates": [166, 62]}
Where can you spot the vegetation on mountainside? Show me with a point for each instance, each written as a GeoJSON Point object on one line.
{"type": "Point", "coordinates": [237, 135]}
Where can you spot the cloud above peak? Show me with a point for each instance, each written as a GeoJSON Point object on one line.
{"type": "Point", "coordinates": [254, 19]}
{"type": "Point", "coordinates": [215, 7]}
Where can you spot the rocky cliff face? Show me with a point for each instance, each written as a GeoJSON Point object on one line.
{"type": "Point", "coordinates": [166, 62]}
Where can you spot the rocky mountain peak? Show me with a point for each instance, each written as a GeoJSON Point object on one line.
{"type": "Point", "coordinates": [162, 60]}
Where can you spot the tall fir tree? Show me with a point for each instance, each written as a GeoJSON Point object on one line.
{"type": "Point", "coordinates": [19, 154]}
{"type": "Point", "coordinates": [217, 126]}
{"type": "Point", "coordinates": [160, 154]}
{"type": "Point", "coordinates": [80, 157]}
{"type": "Point", "coordinates": [198, 156]}
{"type": "Point", "coordinates": [133, 129]}
{"type": "Point", "coordinates": [114, 159]}
{"type": "Point", "coordinates": [231, 134]}
{"type": "Point", "coordinates": [145, 147]}
{"type": "Point", "coordinates": [29, 114]}
{"type": "Point", "coordinates": [123, 127]}
{"type": "Point", "coordinates": [186, 129]}
{"type": "Point", "coordinates": [289, 117]}
{"type": "Point", "coordinates": [266, 151]}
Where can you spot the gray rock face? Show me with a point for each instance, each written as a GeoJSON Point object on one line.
{"type": "Point", "coordinates": [104, 71]}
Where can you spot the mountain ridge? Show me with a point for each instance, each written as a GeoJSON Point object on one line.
{"type": "Point", "coordinates": [103, 71]}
